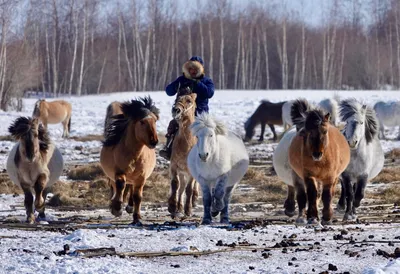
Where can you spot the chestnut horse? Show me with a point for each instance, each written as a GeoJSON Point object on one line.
{"type": "Point", "coordinates": [34, 163]}
{"type": "Point", "coordinates": [318, 154]}
{"type": "Point", "coordinates": [53, 113]}
{"type": "Point", "coordinates": [128, 155]}
{"type": "Point", "coordinates": [181, 179]}
{"type": "Point", "coordinates": [266, 113]}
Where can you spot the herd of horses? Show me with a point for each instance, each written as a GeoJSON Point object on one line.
{"type": "Point", "coordinates": [311, 158]}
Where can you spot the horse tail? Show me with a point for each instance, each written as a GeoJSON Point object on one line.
{"type": "Point", "coordinates": [298, 112]}
{"type": "Point", "coordinates": [69, 124]}
{"type": "Point", "coordinates": [36, 109]}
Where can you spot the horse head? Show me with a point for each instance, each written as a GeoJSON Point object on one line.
{"type": "Point", "coordinates": [139, 118]}
{"type": "Point", "coordinates": [184, 105]}
{"type": "Point", "coordinates": [360, 122]}
{"type": "Point", "coordinates": [31, 136]}
{"type": "Point", "coordinates": [249, 126]}
{"type": "Point", "coordinates": [316, 132]}
{"type": "Point", "coordinates": [206, 129]}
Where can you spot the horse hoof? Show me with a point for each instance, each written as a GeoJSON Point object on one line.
{"type": "Point", "coordinates": [116, 212]}
{"type": "Point", "coordinates": [301, 221]}
{"type": "Point", "coordinates": [224, 220]}
{"type": "Point", "coordinates": [340, 208]}
{"type": "Point", "coordinates": [289, 213]}
{"type": "Point", "coordinates": [136, 223]}
{"type": "Point", "coordinates": [206, 222]}
{"type": "Point", "coordinates": [312, 221]}
{"type": "Point", "coordinates": [30, 219]}
{"type": "Point", "coordinates": [323, 222]}
{"type": "Point", "coordinates": [214, 213]}
{"type": "Point", "coordinates": [349, 217]}
{"type": "Point", "coordinates": [129, 209]}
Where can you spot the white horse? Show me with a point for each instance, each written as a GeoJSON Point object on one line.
{"type": "Point", "coordinates": [218, 162]}
{"type": "Point", "coordinates": [331, 106]}
{"type": "Point", "coordinates": [280, 160]}
{"type": "Point", "coordinates": [388, 115]}
{"type": "Point", "coordinates": [367, 157]}
{"type": "Point", "coordinates": [286, 119]}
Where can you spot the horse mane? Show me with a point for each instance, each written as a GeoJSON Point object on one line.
{"type": "Point", "coordinates": [299, 111]}
{"type": "Point", "coordinates": [314, 119]}
{"type": "Point", "coordinates": [133, 110]}
{"type": "Point", "coordinates": [36, 109]}
{"type": "Point", "coordinates": [351, 107]}
{"type": "Point", "coordinates": [205, 120]}
{"type": "Point", "coordinates": [22, 126]}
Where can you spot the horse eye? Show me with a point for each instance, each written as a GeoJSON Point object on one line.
{"type": "Point", "coordinates": [142, 123]}
{"type": "Point", "coordinates": [361, 123]}
{"type": "Point", "coordinates": [188, 101]}
{"type": "Point", "coordinates": [211, 135]}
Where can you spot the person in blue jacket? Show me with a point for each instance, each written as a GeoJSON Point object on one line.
{"type": "Point", "coordinates": [193, 78]}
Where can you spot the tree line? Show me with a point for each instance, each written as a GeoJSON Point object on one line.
{"type": "Point", "coordinates": [76, 47]}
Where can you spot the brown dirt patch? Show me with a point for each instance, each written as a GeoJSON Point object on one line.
{"type": "Point", "coordinates": [86, 172]}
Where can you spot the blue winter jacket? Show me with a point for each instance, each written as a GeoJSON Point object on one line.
{"type": "Point", "coordinates": [203, 87]}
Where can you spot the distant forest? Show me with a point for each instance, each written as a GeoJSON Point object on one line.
{"type": "Point", "coordinates": [81, 47]}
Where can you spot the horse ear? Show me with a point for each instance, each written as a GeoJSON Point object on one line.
{"type": "Point", "coordinates": [327, 117]}
{"type": "Point", "coordinates": [194, 95]}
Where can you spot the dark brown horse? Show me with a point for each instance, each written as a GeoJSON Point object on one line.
{"type": "Point", "coordinates": [318, 154]}
{"type": "Point", "coordinates": [128, 155]}
{"type": "Point", "coordinates": [266, 113]}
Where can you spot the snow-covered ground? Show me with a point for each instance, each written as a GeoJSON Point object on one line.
{"type": "Point", "coordinates": [32, 251]}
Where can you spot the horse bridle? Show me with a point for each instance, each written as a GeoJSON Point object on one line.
{"type": "Point", "coordinates": [184, 109]}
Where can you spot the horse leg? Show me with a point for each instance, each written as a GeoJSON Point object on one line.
{"type": "Point", "coordinates": [301, 197]}
{"type": "Point", "coordinates": [261, 139]}
{"type": "Point", "coordinates": [129, 206]}
{"type": "Point", "coordinates": [116, 202]}
{"type": "Point", "coordinates": [341, 206]}
{"type": "Point", "coordinates": [207, 200]}
{"type": "Point", "coordinates": [30, 217]}
{"type": "Point", "coordinates": [382, 131]}
{"type": "Point", "coordinates": [224, 217]}
{"type": "Point", "coordinates": [137, 199]}
{"type": "Point", "coordinates": [272, 127]}
{"type": "Point", "coordinates": [195, 194]}
{"type": "Point", "coordinates": [42, 215]}
{"type": "Point", "coordinates": [328, 192]}
{"type": "Point", "coordinates": [218, 202]}
{"type": "Point", "coordinates": [182, 187]}
{"type": "Point", "coordinates": [65, 128]}
{"type": "Point", "coordinates": [312, 193]}
{"type": "Point", "coordinates": [39, 186]}
{"type": "Point", "coordinates": [359, 192]}
{"type": "Point", "coordinates": [290, 203]}
{"type": "Point", "coordinates": [189, 196]}
{"type": "Point", "coordinates": [172, 201]}
{"type": "Point", "coordinates": [346, 183]}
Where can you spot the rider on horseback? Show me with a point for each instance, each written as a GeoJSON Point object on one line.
{"type": "Point", "coordinates": [192, 80]}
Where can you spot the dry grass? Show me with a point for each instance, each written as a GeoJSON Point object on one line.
{"type": "Point", "coordinates": [388, 174]}
{"type": "Point", "coordinates": [86, 172]}
{"type": "Point", "coordinates": [86, 138]}
{"type": "Point", "coordinates": [393, 154]}
{"type": "Point", "coordinates": [267, 187]}
{"type": "Point", "coordinates": [8, 187]}
{"type": "Point", "coordinates": [390, 194]}
{"type": "Point", "coordinates": [6, 138]}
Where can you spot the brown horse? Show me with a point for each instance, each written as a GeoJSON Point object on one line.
{"type": "Point", "coordinates": [34, 163]}
{"type": "Point", "coordinates": [266, 113]}
{"type": "Point", "coordinates": [113, 109]}
{"type": "Point", "coordinates": [181, 179]}
{"type": "Point", "coordinates": [128, 155]}
{"type": "Point", "coordinates": [53, 113]}
{"type": "Point", "coordinates": [318, 154]}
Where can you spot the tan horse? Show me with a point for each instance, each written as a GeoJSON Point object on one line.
{"type": "Point", "coordinates": [181, 179]}
{"type": "Point", "coordinates": [53, 113]}
{"type": "Point", "coordinates": [113, 109]}
{"type": "Point", "coordinates": [34, 163]}
{"type": "Point", "coordinates": [128, 155]}
{"type": "Point", "coordinates": [318, 154]}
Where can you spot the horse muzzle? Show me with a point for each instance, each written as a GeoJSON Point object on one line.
{"type": "Point", "coordinates": [353, 144]}
{"type": "Point", "coordinates": [317, 156]}
{"type": "Point", "coordinates": [177, 113]}
{"type": "Point", "coordinates": [203, 157]}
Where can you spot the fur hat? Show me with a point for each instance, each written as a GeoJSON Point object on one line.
{"type": "Point", "coordinates": [195, 62]}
